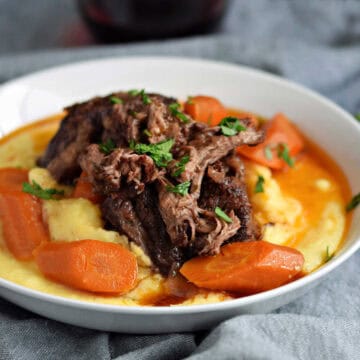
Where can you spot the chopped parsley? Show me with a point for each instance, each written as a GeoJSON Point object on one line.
{"type": "Point", "coordinates": [134, 92]}
{"type": "Point", "coordinates": [147, 133]}
{"type": "Point", "coordinates": [159, 152]}
{"type": "Point", "coordinates": [107, 147]}
{"type": "Point", "coordinates": [222, 215]}
{"type": "Point", "coordinates": [284, 153]}
{"type": "Point", "coordinates": [180, 166]}
{"type": "Point", "coordinates": [36, 190]}
{"type": "Point", "coordinates": [116, 100]}
{"type": "Point", "coordinates": [133, 113]}
{"type": "Point", "coordinates": [268, 152]}
{"type": "Point", "coordinates": [354, 202]}
{"type": "Point", "coordinates": [145, 98]}
{"type": "Point", "coordinates": [231, 126]}
{"type": "Point", "coordinates": [259, 187]}
{"type": "Point", "coordinates": [174, 109]}
{"type": "Point", "coordinates": [181, 189]}
{"type": "Point", "coordinates": [357, 116]}
{"type": "Point", "coordinates": [328, 257]}
{"type": "Point", "coordinates": [190, 100]}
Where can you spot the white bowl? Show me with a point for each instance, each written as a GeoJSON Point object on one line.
{"type": "Point", "coordinates": [46, 92]}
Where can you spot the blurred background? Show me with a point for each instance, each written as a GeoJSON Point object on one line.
{"type": "Point", "coordinates": [47, 24]}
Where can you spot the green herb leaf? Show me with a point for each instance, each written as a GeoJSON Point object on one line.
{"type": "Point", "coordinates": [180, 166]}
{"type": "Point", "coordinates": [190, 100]}
{"type": "Point", "coordinates": [231, 126]}
{"type": "Point", "coordinates": [284, 153]}
{"type": "Point", "coordinates": [116, 100]}
{"type": "Point", "coordinates": [259, 187]}
{"type": "Point", "coordinates": [355, 201]}
{"type": "Point", "coordinates": [357, 116]}
{"type": "Point", "coordinates": [222, 215]}
{"type": "Point", "coordinates": [328, 257]}
{"type": "Point", "coordinates": [133, 113]}
{"type": "Point", "coordinates": [134, 92]}
{"type": "Point", "coordinates": [147, 133]}
{"type": "Point", "coordinates": [159, 152]}
{"type": "Point", "coordinates": [145, 98]}
{"type": "Point", "coordinates": [181, 189]}
{"type": "Point", "coordinates": [268, 152]}
{"type": "Point", "coordinates": [107, 147]}
{"type": "Point", "coordinates": [174, 109]}
{"type": "Point", "coordinates": [36, 190]}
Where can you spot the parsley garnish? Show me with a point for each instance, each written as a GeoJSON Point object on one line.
{"type": "Point", "coordinates": [145, 98]}
{"type": "Point", "coordinates": [116, 100]}
{"type": "Point", "coordinates": [107, 147]}
{"type": "Point", "coordinates": [222, 215]}
{"type": "Point", "coordinates": [284, 153]}
{"type": "Point", "coordinates": [134, 92]}
{"type": "Point", "coordinates": [159, 152]}
{"type": "Point", "coordinates": [147, 133]}
{"type": "Point", "coordinates": [181, 189]}
{"type": "Point", "coordinates": [190, 100]}
{"type": "Point", "coordinates": [174, 109]}
{"type": "Point", "coordinates": [357, 116]}
{"type": "Point", "coordinates": [268, 152]}
{"type": "Point", "coordinates": [36, 190]}
{"type": "Point", "coordinates": [259, 187]}
{"type": "Point", "coordinates": [231, 126]}
{"type": "Point", "coordinates": [355, 201]}
{"type": "Point", "coordinates": [328, 257]}
{"type": "Point", "coordinates": [180, 166]}
{"type": "Point", "coordinates": [133, 113]}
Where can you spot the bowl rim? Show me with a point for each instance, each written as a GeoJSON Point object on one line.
{"type": "Point", "coordinates": [202, 308]}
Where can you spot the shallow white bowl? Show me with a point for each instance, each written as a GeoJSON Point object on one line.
{"type": "Point", "coordinates": [46, 92]}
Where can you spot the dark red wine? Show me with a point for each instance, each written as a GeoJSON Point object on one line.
{"type": "Point", "coordinates": [130, 20]}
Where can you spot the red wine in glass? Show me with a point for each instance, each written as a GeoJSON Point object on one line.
{"type": "Point", "coordinates": [133, 20]}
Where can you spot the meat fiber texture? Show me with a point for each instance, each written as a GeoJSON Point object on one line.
{"type": "Point", "coordinates": [170, 227]}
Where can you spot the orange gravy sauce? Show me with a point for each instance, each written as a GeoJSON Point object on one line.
{"type": "Point", "coordinates": [312, 163]}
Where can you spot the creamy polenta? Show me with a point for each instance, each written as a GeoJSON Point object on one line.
{"type": "Point", "coordinates": [302, 207]}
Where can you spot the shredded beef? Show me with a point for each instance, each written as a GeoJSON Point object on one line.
{"type": "Point", "coordinates": [108, 172]}
{"type": "Point", "coordinates": [170, 228]}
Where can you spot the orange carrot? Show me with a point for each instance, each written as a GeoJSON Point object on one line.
{"type": "Point", "coordinates": [84, 189]}
{"type": "Point", "coordinates": [280, 135]}
{"type": "Point", "coordinates": [89, 265]}
{"type": "Point", "coordinates": [206, 109]}
{"type": "Point", "coordinates": [11, 179]}
{"type": "Point", "coordinates": [22, 223]}
{"type": "Point", "coordinates": [246, 267]}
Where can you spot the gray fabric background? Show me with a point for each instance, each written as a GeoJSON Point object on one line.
{"type": "Point", "coordinates": [314, 42]}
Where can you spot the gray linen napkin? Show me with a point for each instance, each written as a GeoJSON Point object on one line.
{"type": "Point", "coordinates": [314, 43]}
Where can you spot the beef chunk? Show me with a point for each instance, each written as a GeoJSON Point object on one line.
{"type": "Point", "coordinates": [171, 228]}
{"type": "Point", "coordinates": [99, 120]}
{"type": "Point", "coordinates": [182, 214]}
{"type": "Point", "coordinates": [229, 193]}
{"type": "Point", "coordinates": [159, 247]}
{"type": "Point", "coordinates": [107, 172]}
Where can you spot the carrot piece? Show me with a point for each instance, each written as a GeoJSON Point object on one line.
{"type": "Point", "coordinates": [11, 179]}
{"type": "Point", "coordinates": [279, 131]}
{"type": "Point", "coordinates": [90, 265]}
{"type": "Point", "coordinates": [23, 228]}
{"type": "Point", "coordinates": [84, 189]}
{"type": "Point", "coordinates": [246, 267]}
{"type": "Point", "coordinates": [206, 109]}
